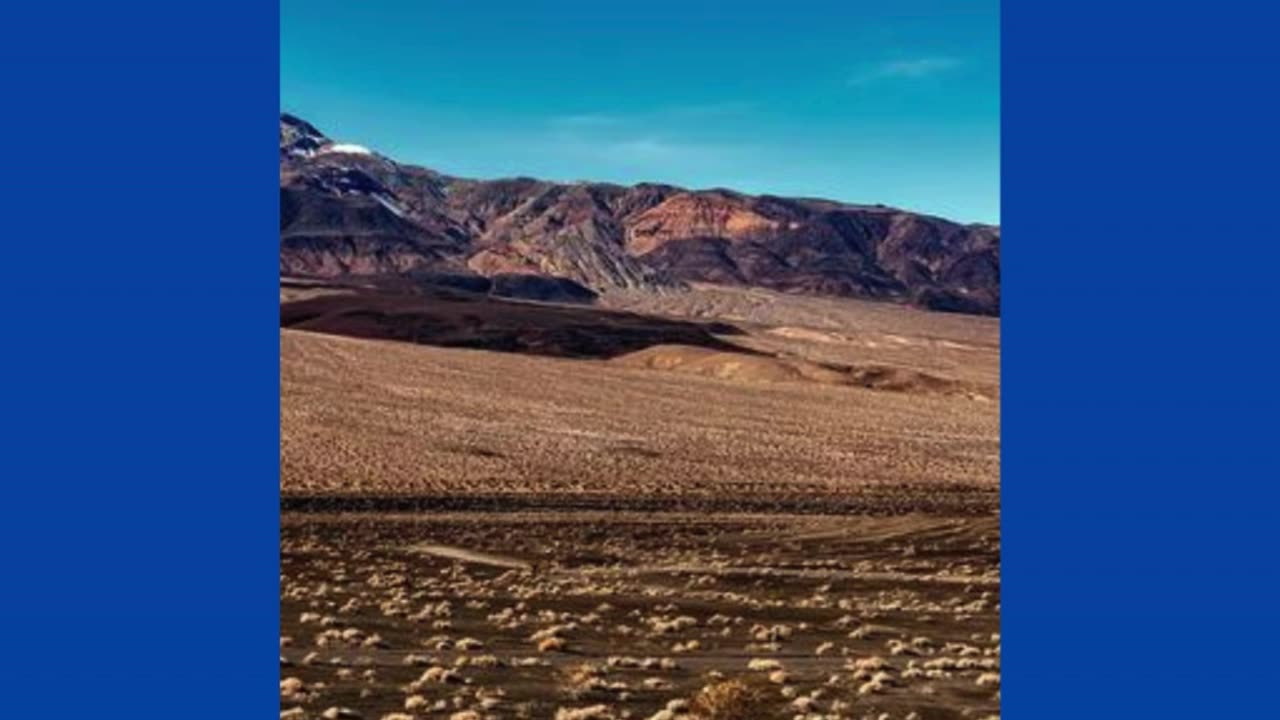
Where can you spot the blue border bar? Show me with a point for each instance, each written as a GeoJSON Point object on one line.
{"type": "Point", "coordinates": [1139, 381]}
{"type": "Point", "coordinates": [140, 445]}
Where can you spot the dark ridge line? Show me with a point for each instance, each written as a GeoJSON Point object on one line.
{"type": "Point", "coordinates": [967, 501]}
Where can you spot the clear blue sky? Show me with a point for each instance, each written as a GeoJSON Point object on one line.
{"type": "Point", "coordinates": [893, 101]}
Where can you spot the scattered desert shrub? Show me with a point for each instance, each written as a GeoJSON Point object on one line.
{"type": "Point", "coordinates": [528, 662]}
{"type": "Point", "coordinates": [291, 686]}
{"type": "Point", "coordinates": [804, 704]}
{"type": "Point", "coordinates": [864, 668]}
{"type": "Point", "coordinates": [435, 675]}
{"type": "Point", "coordinates": [593, 712]}
{"type": "Point", "coordinates": [988, 679]}
{"type": "Point", "coordinates": [478, 661]}
{"type": "Point", "coordinates": [731, 700]}
{"type": "Point", "coordinates": [665, 626]}
{"type": "Point", "coordinates": [551, 644]}
{"type": "Point", "coordinates": [773, 634]}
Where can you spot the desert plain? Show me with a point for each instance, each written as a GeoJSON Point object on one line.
{"type": "Point", "coordinates": [714, 504]}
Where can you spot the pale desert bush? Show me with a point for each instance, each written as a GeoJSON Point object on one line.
{"type": "Point", "coordinates": [730, 700]}
{"type": "Point", "coordinates": [593, 712]}
{"type": "Point", "coordinates": [551, 644]}
{"type": "Point", "coordinates": [864, 667]}
{"type": "Point", "coordinates": [772, 634]}
{"type": "Point", "coordinates": [435, 675]}
{"type": "Point", "coordinates": [292, 686]}
{"type": "Point", "coordinates": [478, 661]}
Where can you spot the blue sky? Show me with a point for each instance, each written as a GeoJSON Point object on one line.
{"type": "Point", "coordinates": [862, 101]}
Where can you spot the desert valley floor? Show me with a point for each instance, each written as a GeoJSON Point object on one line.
{"type": "Point", "coordinates": [719, 504]}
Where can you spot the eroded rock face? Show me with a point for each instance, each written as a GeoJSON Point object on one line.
{"type": "Point", "coordinates": [696, 215]}
{"type": "Point", "coordinates": [348, 211]}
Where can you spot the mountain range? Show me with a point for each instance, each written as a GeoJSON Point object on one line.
{"type": "Point", "coordinates": [349, 213]}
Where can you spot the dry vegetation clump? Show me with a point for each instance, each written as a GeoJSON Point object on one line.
{"type": "Point", "coordinates": [436, 675]}
{"type": "Point", "coordinates": [552, 644]}
{"type": "Point", "coordinates": [731, 700]}
{"type": "Point", "coordinates": [293, 689]}
{"type": "Point", "coordinates": [416, 702]}
{"type": "Point", "coordinates": [771, 634]}
{"type": "Point", "coordinates": [478, 661]}
{"type": "Point", "coordinates": [763, 664]}
{"type": "Point", "coordinates": [985, 679]}
{"type": "Point", "coordinates": [469, 644]}
{"type": "Point", "coordinates": [593, 712]}
{"type": "Point", "coordinates": [584, 678]}
{"type": "Point", "coordinates": [621, 596]}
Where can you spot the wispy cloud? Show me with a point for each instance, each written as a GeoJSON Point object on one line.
{"type": "Point", "coordinates": [649, 118]}
{"type": "Point", "coordinates": [651, 139]}
{"type": "Point", "coordinates": [648, 150]}
{"type": "Point", "coordinates": [904, 69]}
{"type": "Point", "coordinates": [645, 151]}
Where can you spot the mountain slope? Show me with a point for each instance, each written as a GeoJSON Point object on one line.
{"type": "Point", "coordinates": [346, 211]}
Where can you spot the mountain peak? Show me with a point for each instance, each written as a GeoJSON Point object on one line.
{"type": "Point", "coordinates": [299, 137]}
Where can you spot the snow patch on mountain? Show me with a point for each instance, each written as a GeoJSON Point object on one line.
{"type": "Point", "coordinates": [346, 149]}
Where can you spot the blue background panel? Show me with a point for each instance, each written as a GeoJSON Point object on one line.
{"type": "Point", "coordinates": [140, 406]}
{"type": "Point", "coordinates": [1138, 347]}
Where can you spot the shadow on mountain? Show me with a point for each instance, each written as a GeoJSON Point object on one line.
{"type": "Point", "coordinates": [459, 318]}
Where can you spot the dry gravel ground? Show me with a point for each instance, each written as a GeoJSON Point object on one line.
{"type": "Point", "coordinates": [852, 617]}
{"type": "Point", "coordinates": [471, 534]}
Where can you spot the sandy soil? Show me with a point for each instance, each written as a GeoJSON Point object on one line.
{"type": "Point", "coordinates": [670, 532]}
{"type": "Point", "coordinates": [361, 417]}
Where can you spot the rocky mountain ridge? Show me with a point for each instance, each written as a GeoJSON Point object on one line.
{"type": "Point", "coordinates": [346, 211]}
